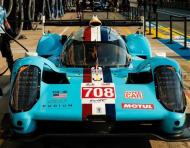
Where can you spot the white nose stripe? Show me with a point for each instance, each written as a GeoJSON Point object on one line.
{"type": "Point", "coordinates": [95, 33]}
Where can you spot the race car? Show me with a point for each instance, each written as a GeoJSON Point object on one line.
{"type": "Point", "coordinates": [97, 82]}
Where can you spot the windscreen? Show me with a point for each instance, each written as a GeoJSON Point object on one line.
{"type": "Point", "coordinates": [87, 54]}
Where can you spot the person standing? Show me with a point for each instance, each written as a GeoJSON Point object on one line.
{"type": "Point", "coordinates": [145, 5]}
{"type": "Point", "coordinates": [154, 6]}
{"type": "Point", "coordinates": [78, 8]}
{"type": "Point", "coordinates": [4, 39]}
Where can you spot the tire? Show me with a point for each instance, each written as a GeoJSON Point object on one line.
{"type": "Point", "coordinates": [16, 17]}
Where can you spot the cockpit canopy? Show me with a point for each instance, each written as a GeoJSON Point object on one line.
{"type": "Point", "coordinates": [95, 45]}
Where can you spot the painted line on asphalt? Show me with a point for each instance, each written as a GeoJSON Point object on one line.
{"type": "Point", "coordinates": [64, 30]}
{"type": "Point", "coordinates": [165, 32]}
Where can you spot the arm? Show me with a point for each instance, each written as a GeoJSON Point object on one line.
{"type": "Point", "coordinates": [7, 25]}
{"type": "Point", "coordinates": [8, 28]}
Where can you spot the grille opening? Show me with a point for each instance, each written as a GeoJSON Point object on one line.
{"type": "Point", "coordinates": [140, 78]}
{"type": "Point", "coordinates": [52, 77]}
{"type": "Point", "coordinates": [141, 56]}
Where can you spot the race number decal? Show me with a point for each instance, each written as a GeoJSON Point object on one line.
{"type": "Point", "coordinates": [98, 92]}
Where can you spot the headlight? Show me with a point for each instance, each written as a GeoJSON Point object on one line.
{"type": "Point", "coordinates": [169, 89]}
{"type": "Point", "coordinates": [26, 88]}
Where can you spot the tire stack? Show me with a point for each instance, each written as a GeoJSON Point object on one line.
{"type": "Point", "coordinates": [8, 4]}
{"type": "Point", "coordinates": [23, 14]}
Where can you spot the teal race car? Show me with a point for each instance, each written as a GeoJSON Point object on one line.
{"type": "Point", "coordinates": [97, 82]}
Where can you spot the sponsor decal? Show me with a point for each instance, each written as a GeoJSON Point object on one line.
{"type": "Point", "coordinates": [137, 106]}
{"type": "Point", "coordinates": [59, 94]}
{"type": "Point", "coordinates": [97, 75]}
{"type": "Point", "coordinates": [98, 109]}
{"type": "Point", "coordinates": [97, 101]}
{"type": "Point", "coordinates": [133, 95]}
{"type": "Point", "coordinates": [89, 84]}
{"type": "Point", "coordinates": [56, 105]}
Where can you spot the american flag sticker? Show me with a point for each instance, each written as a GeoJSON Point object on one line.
{"type": "Point", "coordinates": [59, 94]}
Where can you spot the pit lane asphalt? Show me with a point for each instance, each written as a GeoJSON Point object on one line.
{"type": "Point", "coordinates": [31, 42]}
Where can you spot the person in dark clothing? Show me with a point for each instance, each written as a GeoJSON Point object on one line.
{"type": "Point", "coordinates": [4, 39]}
{"type": "Point", "coordinates": [91, 4]}
{"type": "Point", "coordinates": [154, 5]}
{"type": "Point", "coordinates": [145, 4]}
{"type": "Point", "coordinates": [161, 3]}
{"type": "Point", "coordinates": [139, 7]}
{"type": "Point", "coordinates": [78, 8]}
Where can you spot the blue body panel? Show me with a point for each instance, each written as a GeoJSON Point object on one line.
{"type": "Point", "coordinates": [70, 108]}
{"type": "Point", "coordinates": [50, 46]}
{"type": "Point", "coordinates": [138, 45]}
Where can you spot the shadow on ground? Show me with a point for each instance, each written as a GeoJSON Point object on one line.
{"type": "Point", "coordinates": [80, 143]}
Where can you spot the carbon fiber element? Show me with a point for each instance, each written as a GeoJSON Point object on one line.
{"type": "Point", "coordinates": [93, 130]}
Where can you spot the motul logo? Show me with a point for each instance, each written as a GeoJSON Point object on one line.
{"type": "Point", "coordinates": [137, 106]}
{"type": "Point", "coordinates": [133, 95]}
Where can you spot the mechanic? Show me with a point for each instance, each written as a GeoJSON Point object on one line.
{"type": "Point", "coordinates": [4, 39]}
{"type": "Point", "coordinates": [78, 8]}
{"type": "Point", "coordinates": [154, 6]}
